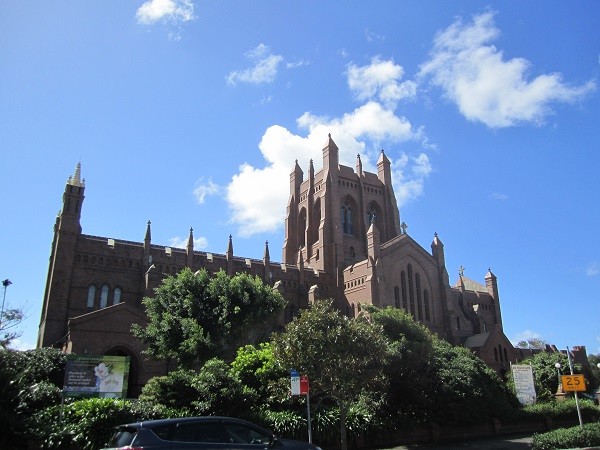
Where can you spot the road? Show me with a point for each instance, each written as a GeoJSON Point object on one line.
{"type": "Point", "coordinates": [522, 442]}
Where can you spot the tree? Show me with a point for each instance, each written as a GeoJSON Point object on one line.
{"type": "Point", "coordinates": [545, 374]}
{"type": "Point", "coordinates": [9, 320]}
{"type": "Point", "coordinates": [194, 316]}
{"type": "Point", "coordinates": [342, 357]}
{"type": "Point", "coordinates": [410, 370]}
{"type": "Point", "coordinates": [534, 343]}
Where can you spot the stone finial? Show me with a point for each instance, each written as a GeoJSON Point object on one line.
{"type": "Point", "coordinates": [403, 227]}
{"type": "Point", "coordinates": [461, 271]}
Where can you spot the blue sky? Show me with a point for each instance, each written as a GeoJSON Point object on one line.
{"type": "Point", "coordinates": [191, 114]}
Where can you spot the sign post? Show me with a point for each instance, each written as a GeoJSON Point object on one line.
{"type": "Point", "coordinates": [523, 377]}
{"type": "Point", "coordinates": [300, 386]}
{"type": "Point", "coordinates": [576, 383]}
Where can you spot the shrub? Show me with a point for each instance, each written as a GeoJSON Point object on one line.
{"type": "Point", "coordinates": [564, 410]}
{"type": "Point", "coordinates": [87, 424]}
{"type": "Point", "coordinates": [573, 437]}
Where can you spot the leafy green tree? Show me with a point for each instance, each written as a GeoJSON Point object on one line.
{"type": "Point", "coordinates": [545, 374]}
{"type": "Point", "coordinates": [29, 381]}
{"type": "Point", "coordinates": [257, 369]}
{"type": "Point", "coordinates": [411, 366]}
{"type": "Point", "coordinates": [220, 392]}
{"type": "Point", "coordinates": [534, 343]}
{"type": "Point", "coordinates": [10, 319]}
{"type": "Point", "coordinates": [342, 357]}
{"type": "Point", "coordinates": [174, 390]}
{"type": "Point", "coordinates": [469, 391]}
{"type": "Point", "coordinates": [194, 316]}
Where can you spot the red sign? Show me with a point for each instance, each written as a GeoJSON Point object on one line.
{"type": "Point", "coordinates": [304, 385]}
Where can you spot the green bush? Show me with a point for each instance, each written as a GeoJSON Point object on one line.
{"type": "Point", "coordinates": [564, 410]}
{"type": "Point", "coordinates": [87, 424]}
{"type": "Point", "coordinates": [568, 437]}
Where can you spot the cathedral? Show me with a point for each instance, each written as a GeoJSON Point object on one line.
{"type": "Point", "coordinates": [344, 240]}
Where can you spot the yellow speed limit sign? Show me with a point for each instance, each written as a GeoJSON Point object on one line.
{"type": "Point", "coordinates": [573, 383]}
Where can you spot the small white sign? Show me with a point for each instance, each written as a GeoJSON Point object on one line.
{"type": "Point", "coordinates": [295, 381]}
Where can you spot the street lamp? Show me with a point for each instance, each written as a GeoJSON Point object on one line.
{"type": "Point", "coordinates": [558, 366]}
{"type": "Point", "coordinates": [6, 283]}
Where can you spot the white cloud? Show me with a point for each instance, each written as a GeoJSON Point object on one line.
{"type": "Point", "coordinates": [179, 242]}
{"type": "Point", "coordinates": [256, 206]}
{"type": "Point", "coordinates": [498, 196]}
{"type": "Point", "coordinates": [201, 191]}
{"type": "Point", "coordinates": [21, 345]}
{"type": "Point", "coordinates": [175, 11]}
{"type": "Point", "coordinates": [593, 269]}
{"type": "Point", "coordinates": [372, 36]}
{"type": "Point", "coordinates": [263, 71]}
{"type": "Point", "coordinates": [525, 336]}
{"type": "Point", "coordinates": [486, 87]}
{"type": "Point", "coordinates": [380, 80]}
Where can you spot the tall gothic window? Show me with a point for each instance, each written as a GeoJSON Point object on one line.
{"type": "Point", "coordinates": [347, 224]}
{"type": "Point", "coordinates": [104, 296]}
{"type": "Point", "coordinates": [91, 296]}
{"type": "Point", "coordinates": [117, 296]}
{"type": "Point", "coordinates": [396, 297]}
{"type": "Point", "coordinates": [411, 292]}
{"type": "Point", "coordinates": [426, 302]}
{"type": "Point", "coordinates": [418, 286]}
{"type": "Point", "coordinates": [404, 297]}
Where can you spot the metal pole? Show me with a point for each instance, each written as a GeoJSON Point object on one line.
{"type": "Point", "coordinates": [576, 396]}
{"type": "Point", "coordinates": [308, 416]}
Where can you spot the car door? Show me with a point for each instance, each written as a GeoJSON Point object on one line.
{"type": "Point", "coordinates": [243, 436]}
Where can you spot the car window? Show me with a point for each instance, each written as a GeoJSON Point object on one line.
{"type": "Point", "coordinates": [242, 434]}
{"type": "Point", "coordinates": [162, 431]}
{"type": "Point", "coordinates": [122, 437]}
{"type": "Point", "coordinates": [199, 432]}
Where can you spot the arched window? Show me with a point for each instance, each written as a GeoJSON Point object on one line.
{"type": "Point", "coordinates": [458, 323]}
{"type": "Point", "coordinates": [500, 352]}
{"type": "Point", "coordinates": [346, 216]}
{"type": "Point", "coordinates": [104, 296]}
{"type": "Point", "coordinates": [117, 296]}
{"type": "Point", "coordinates": [426, 302]}
{"type": "Point", "coordinates": [418, 286]}
{"type": "Point", "coordinates": [505, 355]}
{"type": "Point", "coordinates": [396, 297]}
{"type": "Point", "coordinates": [91, 296]}
{"type": "Point", "coordinates": [404, 296]}
{"type": "Point", "coordinates": [411, 292]}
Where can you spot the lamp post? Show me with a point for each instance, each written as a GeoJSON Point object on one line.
{"type": "Point", "coordinates": [560, 395]}
{"type": "Point", "coordinates": [6, 283]}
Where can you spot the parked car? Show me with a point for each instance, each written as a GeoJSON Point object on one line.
{"type": "Point", "coordinates": [215, 433]}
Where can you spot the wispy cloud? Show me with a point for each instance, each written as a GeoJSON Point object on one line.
{"type": "Point", "coordinates": [171, 12]}
{"type": "Point", "coordinates": [593, 269]}
{"type": "Point", "coordinates": [176, 11]}
{"type": "Point", "coordinates": [263, 71]}
{"type": "Point", "coordinates": [486, 86]}
{"type": "Point", "coordinates": [371, 36]}
{"type": "Point", "coordinates": [525, 336]}
{"type": "Point", "coordinates": [202, 190]}
{"type": "Point", "coordinates": [498, 196]}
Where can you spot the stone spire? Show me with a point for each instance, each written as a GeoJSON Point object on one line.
{"type": "Point", "coordinates": [359, 167]}
{"type": "Point", "coordinates": [229, 256]}
{"type": "Point", "coordinates": [76, 180]}
{"type": "Point", "coordinates": [190, 248]}
{"type": "Point", "coordinates": [267, 264]}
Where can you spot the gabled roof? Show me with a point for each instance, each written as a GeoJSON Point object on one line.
{"type": "Point", "coordinates": [477, 340]}
{"type": "Point", "coordinates": [470, 285]}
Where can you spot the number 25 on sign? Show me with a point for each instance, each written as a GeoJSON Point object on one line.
{"type": "Point", "coordinates": [573, 383]}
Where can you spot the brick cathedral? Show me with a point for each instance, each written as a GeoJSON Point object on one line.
{"type": "Point", "coordinates": [343, 240]}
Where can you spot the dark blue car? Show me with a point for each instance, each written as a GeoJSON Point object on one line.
{"type": "Point", "coordinates": [214, 433]}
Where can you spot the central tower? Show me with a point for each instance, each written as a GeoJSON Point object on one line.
{"type": "Point", "coordinates": [329, 214]}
